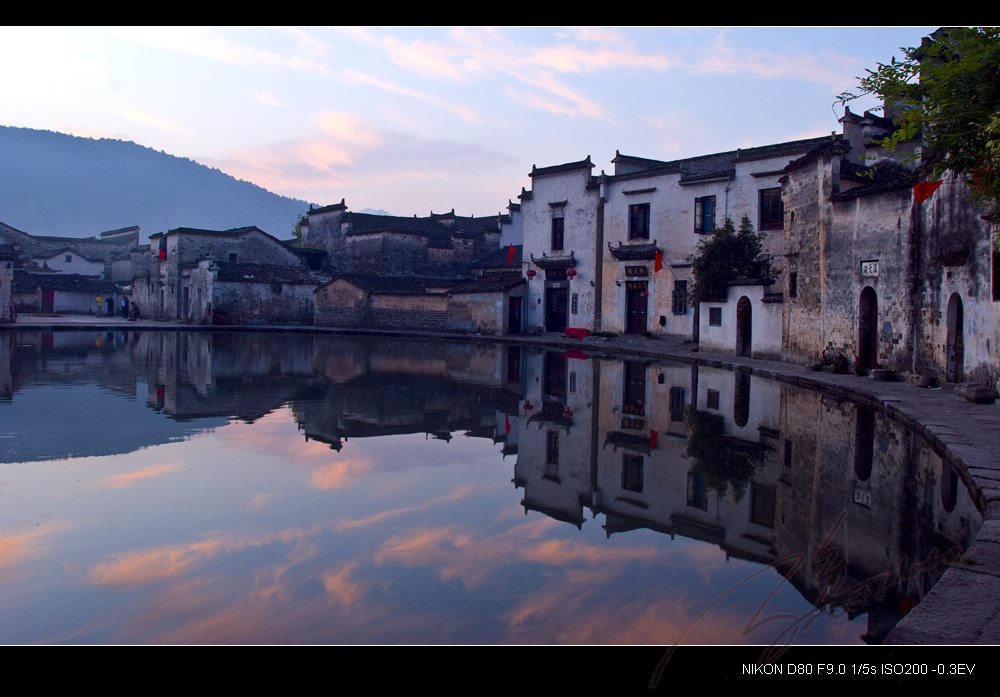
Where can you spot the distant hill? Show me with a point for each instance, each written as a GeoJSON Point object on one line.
{"type": "Point", "coordinates": [57, 184]}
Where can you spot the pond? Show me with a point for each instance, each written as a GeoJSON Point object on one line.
{"type": "Point", "coordinates": [244, 488]}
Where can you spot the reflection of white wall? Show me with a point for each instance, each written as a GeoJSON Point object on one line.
{"type": "Point", "coordinates": [765, 401]}
{"type": "Point", "coordinates": [557, 488]}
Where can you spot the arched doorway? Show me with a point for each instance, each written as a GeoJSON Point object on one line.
{"type": "Point", "coordinates": [744, 327]}
{"type": "Point", "coordinates": [955, 366]}
{"type": "Point", "coordinates": [868, 328]}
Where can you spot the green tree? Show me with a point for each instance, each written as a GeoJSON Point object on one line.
{"type": "Point", "coordinates": [946, 92]}
{"type": "Point", "coordinates": [725, 461]}
{"type": "Point", "coordinates": [726, 255]}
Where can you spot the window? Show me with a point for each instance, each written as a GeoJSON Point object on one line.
{"type": "Point", "coordinates": [557, 234]}
{"type": "Point", "coordinates": [763, 504]}
{"type": "Point", "coordinates": [69, 258]}
{"type": "Point", "coordinates": [996, 276]}
{"type": "Point", "coordinates": [712, 399]}
{"type": "Point", "coordinates": [715, 316]}
{"type": "Point", "coordinates": [772, 211]}
{"type": "Point", "coordinates": [793, 285]}
{"type": "Point", "coordinates": [638, 221]}
{"type": "Point", "coordinates": [632, 473]}
{"type": "Point", "coordinates": [696, 494]}
{"type": "Point", "coordinates": [680, 299]}
{"type": "Point", "coordinates": [232, 257]}
{"type": "Point", "coordinates": [552, 448]}
{"type": "Point", "coordinates": [704, 215]}
{"type": "Point", "coordinates": [677, 403]}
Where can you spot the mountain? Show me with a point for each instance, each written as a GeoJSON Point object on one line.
{"type": "Point", "coordinates": [57, 184]}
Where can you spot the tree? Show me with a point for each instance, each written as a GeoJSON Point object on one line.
{"type": "Point", "coordinates": [947, 92]}
{"type": "Point", "coordinates": [726, 255]}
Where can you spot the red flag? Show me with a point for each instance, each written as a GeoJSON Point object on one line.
{"type": "Point", "coordinates": [658, 264]}
{"type": "Point", "coordinates": [506, 423]}
{"type": "Point", "coordinates": [510, 254]}
{"type": "Point", "coordinates": [924, 190]}
{"type": "Point", "coordinates": [654, 438]}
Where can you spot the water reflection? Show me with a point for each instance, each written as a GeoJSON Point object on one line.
{"type": "Point", "coordinates": [213, 487]}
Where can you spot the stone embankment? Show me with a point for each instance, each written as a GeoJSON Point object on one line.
{"type": "Point", "coordinates": [962, 608]}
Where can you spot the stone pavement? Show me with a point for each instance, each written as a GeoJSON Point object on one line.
{"type": "Point", "coordinates": [962, 608]}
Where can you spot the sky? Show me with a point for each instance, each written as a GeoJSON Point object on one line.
{"type": "Point", "coordinates": [411, 120]}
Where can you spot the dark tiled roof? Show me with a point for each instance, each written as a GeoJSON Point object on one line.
{"type": "Point", "coordinates": [27, 282]}
{"type": "Point", "coordinates": [391, 285]}
{"type": "Point", "coordinates": [633, 252]}
{"type": "Point", "coordinates": [886, 176]}
{"type": "Point", "coordinates": [233, 232]}
{"type": "Point", "coordinates": [342, 206]}
{"type": "Point", "coordinates": [241, 272]}
{"type": "Point", "coordinates": [490, 283]}
{"type": "Point", "coordinates": [559, 262]}
{"type": "Point", "coordinates": [836, 146]}
{"type": "Point", "coordinates": [558, 169]}
{"type": "Point", "coordinates": [497, 259]}
{"type": "Point", "coordinates": [722, 164]}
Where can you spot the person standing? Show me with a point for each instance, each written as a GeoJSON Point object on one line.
{"type": "Point", "coordinates": [100, 301]}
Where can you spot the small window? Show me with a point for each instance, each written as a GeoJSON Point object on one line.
{"type": "Point", "coordinates": [696, 494]}
{"type": "Point", "coordinates": [677, 403]}
{"type": "Point", "coordinates": [715, 316]}
{"type": "Point", "coordinates": [704, 215]}
{"type": "Point", "coordinates": [680, 299]}
{"type": "Point", "coordinates": [69, 258]}
{"type": "Point", "coordinates": [557, 234]}
{"type": "Point", "coordinates": [763, 504]}
{"type": "Point", "coordinates": [793, 284]}
{"type": "Point", "coordinates": [996, 276]}
{"type": "Point", "coordinates": [552, 448]}
{"type": "Point", "coordinates": [232, 257]}
{"type": "Point", "coordinates": [772, 211]}
{"type": "Point", "coordinates": [712, 399]}
{"type": "Point", "coordinates": [638, 221]}
{"type": "Point", "coordinates": [632, 473]}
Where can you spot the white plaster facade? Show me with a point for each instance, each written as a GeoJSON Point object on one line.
{"type": "Point", "coordinates": [748, 324]}
{"type": "Point", "coordinates": [617, 229]}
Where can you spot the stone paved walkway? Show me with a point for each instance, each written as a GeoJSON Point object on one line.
{"type": "Point", "coordinates": [963, 607]}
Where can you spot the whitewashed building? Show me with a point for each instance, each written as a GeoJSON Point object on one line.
{"type": "Point", "coordinates": [611, 252]}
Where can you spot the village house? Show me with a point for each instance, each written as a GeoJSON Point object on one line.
{"type": "Point", "coordinates": [47, 293]}
{"type": "Point", "coordinates": [439, 273]}
{"type": "Point", "coordinates": [226, 292]}
{"type": "Point", "coordinates": [182, 283]}
{"type": "Point", "coordinates": [89, 256]}
{"type": "Point", "coordinates": [885, 267]}
{"type": "Point", "coordinates": [442, 245]}
{"type": "Point", "coordinates": [611, 252]}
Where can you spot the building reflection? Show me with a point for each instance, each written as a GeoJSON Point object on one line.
{"type": "Point", "coordinates": [857, 511]}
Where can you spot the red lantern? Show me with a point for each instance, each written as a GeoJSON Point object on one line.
{"type": "Point", "coordinates": [531, 273]}
{"type": "Point", "coordinates": [570, 273]}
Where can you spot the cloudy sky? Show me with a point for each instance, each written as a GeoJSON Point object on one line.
{"type": "Point", "coordinates": [411, 120]}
